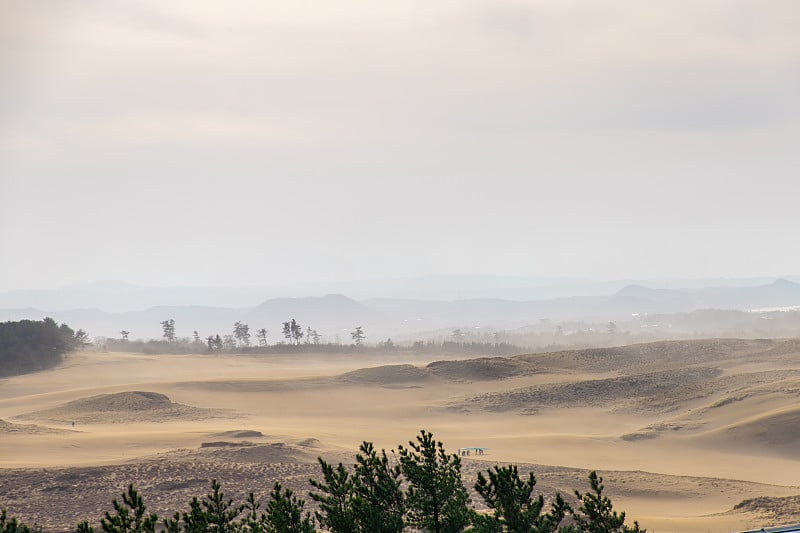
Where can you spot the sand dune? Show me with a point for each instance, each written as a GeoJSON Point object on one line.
{"type": "Point", "coordinates": [785, 510]}
{"type": "Point", "coordinates": [728, 402]}
{"type": "Point", "coordinates": [655, 430]}
{"type": "Point", "coordinates": [386, 375]}
{"type": "Point", "coordinates": [124, 407]}
{"type": "Point", "coordinates": [255, 385]}
{"type": "Point", "coordinates": [481, 369]}
{"type": "Point", "coordinates": [655, 390]}
{"type": "Point", "coordinates": [240, 452]}
{"type": "Point", "coordinates": [778, 349]}
{"type": "Point", "coordinates": [30, 429]}
{"type": "Point", "coordinates": [239, 434]}
{"type": "Point", "coordinates": [659, 354]}
{"type": "Point", "coordinates": [668, 423]}
{"type": "Point", "coordinates": [771, 433]}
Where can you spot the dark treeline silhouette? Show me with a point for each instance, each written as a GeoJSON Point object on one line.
{"type": "Point", "coordinates": [417, 487]}
{"type": "Point", "coordinates": [30, 345]}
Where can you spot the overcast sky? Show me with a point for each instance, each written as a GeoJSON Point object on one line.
{"type": "Point", "coordinates": [260, 143]}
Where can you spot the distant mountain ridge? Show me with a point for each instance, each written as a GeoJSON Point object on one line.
{"type": "Point", "coordinates": [336, 314]}
{"type": "Point", "coordinates": [119, 296]}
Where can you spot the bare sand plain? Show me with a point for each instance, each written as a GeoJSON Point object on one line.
{"type": "Point", "coordinates": [691, 436]}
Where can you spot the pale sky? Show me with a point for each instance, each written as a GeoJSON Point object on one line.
{"type": "Point", "coordinates": [260, 143]}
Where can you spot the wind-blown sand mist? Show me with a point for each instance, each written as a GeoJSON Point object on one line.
{"type": "Point", "coordinates": [682, 431]}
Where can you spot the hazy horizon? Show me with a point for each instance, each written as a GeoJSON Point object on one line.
{"type": "Point", "coordinates": [463, 281]}
{"type": "Point", "coordinates": [413, 308]}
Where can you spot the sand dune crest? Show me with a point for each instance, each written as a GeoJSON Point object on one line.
{"type": "Point", "coordinates": [775, 433]}
{"type": "Point", "coordinates": [124, 407]}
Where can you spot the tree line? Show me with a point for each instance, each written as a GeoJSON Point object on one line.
{"type": "Point", "coordinates": [30, 345]}
{"type": "Point", "coordinates": [419, 488]}
{"type": "Point", "coordinates": [240, 338]}
{"type": "Point", "coordinates": [296, 339]}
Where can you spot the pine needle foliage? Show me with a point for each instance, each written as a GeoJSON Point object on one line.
{"type": "Point", "coordinates": [379, 502]}
{"type": "Point", "coordinates": [335, 499]}
{"type": "Point", "coordinates": [130, 516]}
{"type": "Point", "coordinates": [213, 513]}
{"type": "Point", "coordinates": [12, 525]}
{"type": "Point", "coordinates": [285, 513]}
{"type": "Point", "coordinates": [515, 508]}
{"type": "Point", "coordinates": [367, 500]}
{"type": "Point", "coordinates": [252, 521]}
{"type": "Point", "coordinates": [436, 498]}
{"type": "Point", "coordinates": [596, 513]}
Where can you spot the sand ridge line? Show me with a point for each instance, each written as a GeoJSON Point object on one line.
{"type": "Point", "coordinates": [660, 354]}
{"type": "Point", "coordinates": [633, 391]}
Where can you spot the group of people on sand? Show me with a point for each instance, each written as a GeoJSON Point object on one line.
{"type": "Point", "coordinates": [465, 451]}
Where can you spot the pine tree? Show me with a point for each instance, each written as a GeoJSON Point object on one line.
{"type": "Point", "coordinates": [297, 331]}
{"type": "Point", "coordinates": [82, 338]}
{"type": "Point", "coordinates": [379, 502]}
{"type": "Point", "coordinates": [12, 525]}
{"type": "Point", "coordinates": [262, 336]}
{"type": "Point", "coordinates": [193, 522]}
{"type": "Point", "coordinates": [336, 498]}
{"type": "Point", "coordinates": [241, 332]}
{"type": "Point", "coordinates": [515, 510]}
{"type": "Point", "coordinates": [83, 527]}
{"type": "Point", "coordinates": [220, 512]}
{"type": "Point", "coordinates": [168, 327]}
{"type": "Point", "coordinates": [436, 497]}
{"type": "Point", "coordinates": [596, 514]}
{"type": "Point", "coordinates": [370, 500]}
{"type": "Point", "coordinates": [285, 513]}
{"type": "Point", "coordinates": [252, 521]}
{"type": "Point", "coordinates": [228, 343]}
{"type": "Point", "coordinates": [358, 336]}
{"type": "Point", "coordinates": [212, 513]}
{"type": "Point", "coordinates": [130, 515]}
{"type": "Point", "coordinates": [214, 343]}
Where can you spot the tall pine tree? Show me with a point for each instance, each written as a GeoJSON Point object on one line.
{"type": "Point", "coordinates": [436, 498]}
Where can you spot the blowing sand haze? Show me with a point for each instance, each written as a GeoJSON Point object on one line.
{"type": "Point", "coordinates": [687, 434]}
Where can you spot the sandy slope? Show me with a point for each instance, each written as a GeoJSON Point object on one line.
{"type": "Point", "coordinates": [124, 408]}
{"type": "Point", "coordinates": [716, 409]}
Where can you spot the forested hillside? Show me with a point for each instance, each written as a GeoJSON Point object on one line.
{"type": "Point", "coordinates": [30, 345]}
